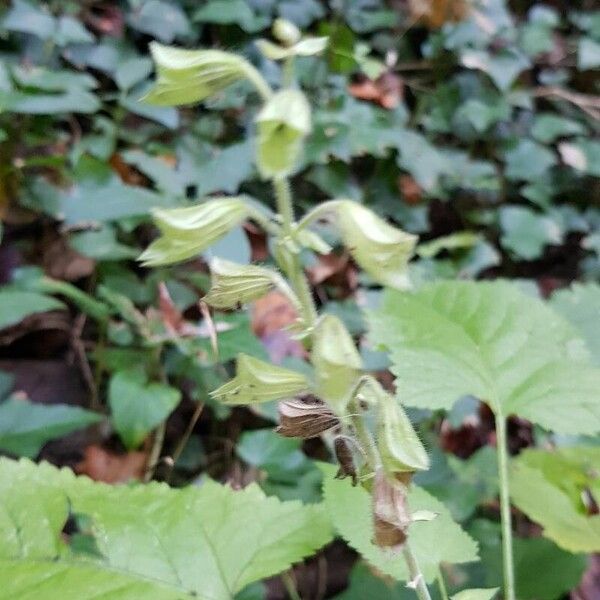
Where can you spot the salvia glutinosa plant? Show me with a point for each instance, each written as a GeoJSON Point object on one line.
{"type": "Point", "coordinates": [373, 439]}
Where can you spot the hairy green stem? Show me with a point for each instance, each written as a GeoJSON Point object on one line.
{"type": "Point", "coordinates": [416, 577]}
{"type": "Point", "coordinates": [367, 442]}
{"type": "Point", "coordinates": [442, 584]}
{"type": "Point", "coordinates": [294, 271]}
{"type": "Point", "coordinates": [507, 554]}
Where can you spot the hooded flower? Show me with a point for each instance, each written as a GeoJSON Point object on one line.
{"type": "Point", "coordinates": [258, 381]}
{"type": "Point", "coordinates": [188, 231]}
{"type": "Point", "coordinates": [337, 363]}
{"type": "Point", "coordinates": [189, 76]}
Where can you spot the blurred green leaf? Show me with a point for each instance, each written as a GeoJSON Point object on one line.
{"type": "Point", "coordinates": [26, 426]}
{"type": "Point", "coordinates": [137, 406]}
{"type": "Point", "coordinates": [15, 305]}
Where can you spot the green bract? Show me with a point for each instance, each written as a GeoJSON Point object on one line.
{"type": "Point", "coordinates": [306, 47]}
{"type": "Point", "coordinates": [381, 250]}
{"type": "Point", "coordinates": [400, 448]}
{"type": "Point", "coordinates": [188, 231]}
{"type": "Point", "coordinates": [258, 381]}
{"type": "Point", "coordinates": [282, 124]}
{"type": "Point", "coordinates": [234, 284]}
{"type": "Point", "coordinates": [189, 76]}
{"type": "Point", "coordinates": [337, 363]}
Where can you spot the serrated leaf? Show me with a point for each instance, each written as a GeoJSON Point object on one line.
{"type": "Point", "coordinates": [549, 486]}
{"type": "Point", "coordinates": [580, 304]}
{"type": "Point", "coordinates": [15, 305]}
{"type": "Point", "coordinates": [441, 540]}
{"type": "Point", "coordinates": [488, 340]}
{"type": "Point", "coordinates": [137, 407]}
{"type": "Point", "coordinates": [205, 542]}
{"type": "Point", "coordinates": [26, 426]}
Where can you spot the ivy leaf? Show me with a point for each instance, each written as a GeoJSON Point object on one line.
{"type": "Point", "coordinates": [488, 340]}
{"type": "Point", "coordinates": [580, 304]}
{"type": "Point", "coordinates": [440, 540]}
{"type": "Point", "coordinates": [525, 232]}
{"type": "Point", "coordinates": [138, 407]}
{"type": "Point", "coordinates": [16, 305]}
{"type": "Point", "coordinates": [528, 161]}
{"type": "Point", "coordinates": [205, 542]}
{"type": "Point", "coordinates": [562, 479]}
{"type": "Point", "coordinates": [26, 426]}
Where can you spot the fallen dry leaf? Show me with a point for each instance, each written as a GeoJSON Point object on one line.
{"type": "Point", "coordinates": [170, 315]}
{"type": "Point", "coordinates": [411, 191]}
{"type": "Point", "coordinates": [272, 312]}
{"type": "Point", "coordinates": [60, 261]}
{"type": "Point", "coordinates": [387, 90]}
{"type": "Point", "coordinates": [434, 13]}
{"type": "Point", "coordinates": [101, 465]}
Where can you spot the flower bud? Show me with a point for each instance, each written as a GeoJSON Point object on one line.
{"type": "Point", "coordinates": [189, 76]}
{"type": "Point", "coordinates": [391, 516]}
{"type": "Point", "coordinates": [381, 250]}
{"type": "Point", "coordinates": [286, 32]}
{"type": "Point", "coordinates": [337, 363]}
{"type": "Point", "coordinates": [399, 446]}
{"type": "Point", "coordinates": [234, 284]}
{"type": "Point", "coordinates": [188, 231]}
{"type": "Point", "coordinates": [258, 381]}
{"type": "Point", "coordinates": [282, 124]}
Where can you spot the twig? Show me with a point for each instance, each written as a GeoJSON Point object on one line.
{"type": "Point", "coordinates": [184, 439]}
{"type": "Point", "coordinates": [588, 104]}
{"type": "Point", "coordinates": [157, 444]}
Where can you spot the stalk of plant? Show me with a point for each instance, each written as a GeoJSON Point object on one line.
{"type": "Point", "coordinates": [384, 457]}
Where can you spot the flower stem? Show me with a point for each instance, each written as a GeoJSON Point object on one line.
{"type": "Point", "coordinates": [442, 584]}
{"type": "Point", "coordinates": [507, 555]}
{"type": "Point", "coordinates": [416, 577]}
{"type": "Point", "coordinates": [294, 271]}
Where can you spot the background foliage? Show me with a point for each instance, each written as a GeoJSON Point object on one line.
{"type": "Point", "coordinates": [471, 124]}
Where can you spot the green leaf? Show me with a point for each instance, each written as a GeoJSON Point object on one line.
{"type": "Point", "coordinates": [162, 20]}
{"type": "Point", "coordinates": [25, 18]}
{"type": "Point", "coordinates": [580, 304]}
{"type": "Point", "coordinates": [528, 161]}
{"type": "Point", "coordinates": [475, 594]}
{"type": "Point", "coordinates": [364, 584]}
{"type": "Point", "coordinates": [547, 127]}
{"type": "Point", "coordinates": [206, 542]}
{"type": "Point", "coordinates": [526, 232]}
{"type": "Point", "coordinates": [532, 556]}
{"type": "Point", "coordinates": [440, 540]}
{"type": "Point", "coordinates": [549, 487]}
{"type": "Point", "coordinates": [453, 339]}
{"type": "Point", "coordinates": [137, 406]}
{"type": "Point", "coordinates": [108, 202]}
{"type": "Point", "coordinates": [503, 67]}
{"type": "Point", "coordinates": [227, 12]}
{"type": "Point", "coordinates": [16, 305]}
{"type": "Point", "coordinates": [26, 426]}
{"type": "Point", "coordinates": [588, 54]}
{"type": "Point", "coordinates": [101, 245]}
